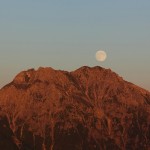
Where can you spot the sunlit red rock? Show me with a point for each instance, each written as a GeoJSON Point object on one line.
{"type": "Point", "coordinates": [88, 109]}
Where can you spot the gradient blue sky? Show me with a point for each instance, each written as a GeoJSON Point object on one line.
{"type": "Point", "coordinates": [66, 34]}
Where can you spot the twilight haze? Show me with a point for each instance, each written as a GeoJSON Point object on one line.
{"type": "Point", "coordinates": [67, 34]}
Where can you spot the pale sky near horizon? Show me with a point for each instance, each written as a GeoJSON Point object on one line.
{"type": "Point", "coordinates": [66, 35]}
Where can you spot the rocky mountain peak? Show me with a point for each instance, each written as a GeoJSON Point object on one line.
{"type": "Point", "coordinates": [24, 76]}
{"type": "Point", "coordinates": [91, 108]}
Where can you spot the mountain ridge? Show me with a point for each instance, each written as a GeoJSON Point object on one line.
{"type": "Point", "coordinates": [81, 68]}
{"type": "Point", "coordinates": [91, 108]}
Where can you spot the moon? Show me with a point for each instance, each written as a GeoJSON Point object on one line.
{"type": "Point", "coordinates": [101, 55]}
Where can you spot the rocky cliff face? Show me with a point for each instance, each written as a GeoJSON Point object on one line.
{"type": "Point", "coordinates": [87, 109]}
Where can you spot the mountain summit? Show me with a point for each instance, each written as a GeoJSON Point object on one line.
{"type": "Point", "coordinates": [87, 109]}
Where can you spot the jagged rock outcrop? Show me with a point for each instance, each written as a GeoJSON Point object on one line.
{"type": "Point", "coordinates": [87, 109]}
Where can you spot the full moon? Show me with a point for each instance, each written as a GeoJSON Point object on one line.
{"type": "Point", "coordinates": [101, 55]}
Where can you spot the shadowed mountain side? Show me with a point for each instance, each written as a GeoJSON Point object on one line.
{"type": "Point", "coordinates": [87, 109]}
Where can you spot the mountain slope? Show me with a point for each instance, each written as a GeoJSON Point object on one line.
{"type": "Point", "coordinates": [87, 109]}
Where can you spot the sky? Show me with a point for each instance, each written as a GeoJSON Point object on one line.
{"type": "Point", "coordinates": [66, 34]}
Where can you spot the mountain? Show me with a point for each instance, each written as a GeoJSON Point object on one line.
{"type": "Point", "coordinates": [87, 109]}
